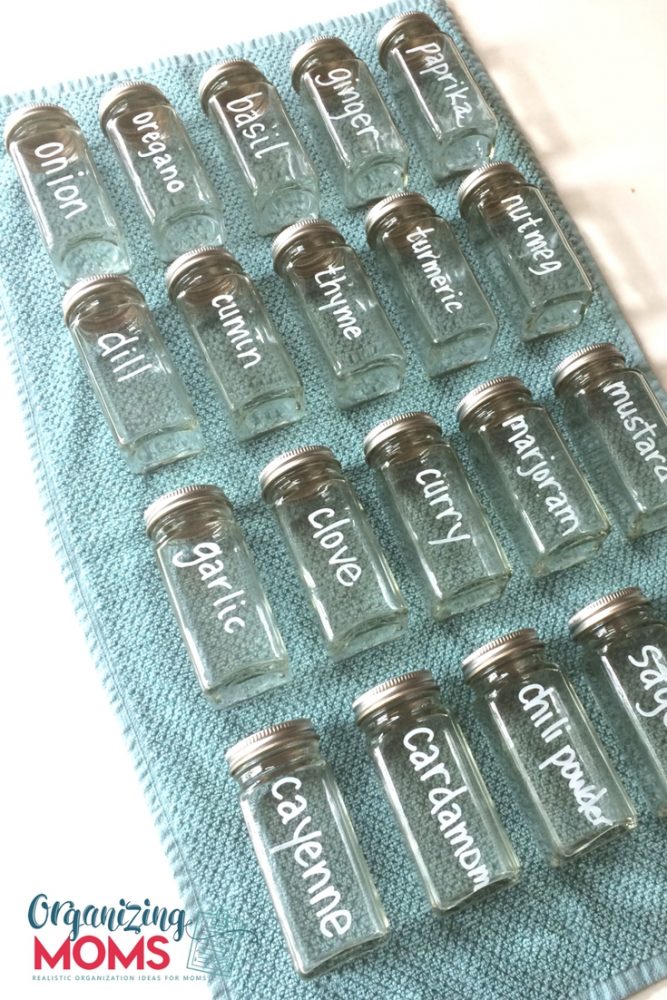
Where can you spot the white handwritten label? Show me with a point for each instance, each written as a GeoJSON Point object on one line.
{"type": "Point", "coordinates": [330, 282]}
{"type": "Point", "coordinates": [305, 844]}
{"type": "Point", "coordinates": [456, 90]}
{"type": "Point", "coordinates": [246, 114]}
{"type": "Point", "coordinates": [642, 432]}
{"type": "Point", "coordinates": [535, 240]}
{"type": "Point", "coordinates": [440, 280]}
{"type": "Point", "coordinates": [534, 466]}
{"type": "Point", "coordinates": [423, 754]}
{"type": "Point", "coordinates": [652, 666]}
{"type": "Point", "coordinates": [436, 492]}
{"type": "Point", "coordinates": [123, 355]}
{"type": "Point", "coordinates": [236, 330]}
{"type": "Point", "coordinates": [62, 186]}
{"type": "Point", "coordinates": [542, 705]}
{"type": "Point", "coordinates": [353, 111]}
{"type": "Point", "coordinates": [227, 602]}
{"type": "Point", "coordinates": [156, 150]}
{"type": "Point", "coordinates": [328, 533]}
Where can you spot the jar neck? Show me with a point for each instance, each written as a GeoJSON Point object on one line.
{"type": "Point", "coordinates": [401, 227]}
{"type": "Point", "coordinates": [203, 285]}
{"type": "Point", "coordinates": [312, 255]}
{"type": "Point", "coordinates": [327, 57]}
{"type": "Point", "coordinates": [237, 81]}
{"type": "Point", "coordinates": [196, 520]}
{"type": "Point", "coordinates": [303, 483]}
{"type": "Point", "coordinates": [404, 447]}
{"type": "Point", "coordinates": [274, 766]}
{"type": "Point", "coordinates": [489, 197]}
{"type": "Point", "coordinates": [521, 666]}
{"type": "Point", "coordinates": [47, 140]}
{"type": "Point", "coordinates": [410, 709]}
{"type": "Point", "coordinates": [619, 626]}
{"type": "Point", "coordinates": [413, 35]}
{"type": "Point", "coordinates": [590, 376]}
{"type": "Point", "coordinates": [498, 409]}
{"type": "Point", "coordinates": [108, 309]}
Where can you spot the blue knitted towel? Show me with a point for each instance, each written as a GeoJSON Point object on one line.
{"type": "Point", "coordinates": [595, 929]}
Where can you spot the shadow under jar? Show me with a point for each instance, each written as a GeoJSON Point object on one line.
{"type": "Point", "coordinates": [173, 189]}
{"type": "Point", "coordinates": [243, 351]}
{"type": "Point", "coordinates": [624, 657]}
{"type": "Point", "coordinates": [440, 103]}
{"type": "Point", "coordinates": [359, 349]}
{"type": "Point", "coordinates": [139, 391]}
{"type": "Point", "coordinates": [559, 771]}
{"type": "Point", "coordinates": [322, 891]}
{"type": "Point", "coordinates": [441, 804]}
{"type": "Point", "coordinates": [620, 430]}
{"type": "Point", "coordinates": [336, 554]}
{"type": "Point", "coordinates": [368, 156]}
{"type": "Point", "coordinates": [259, 145]}
{"type": "Point", "coordinates": [548, 507]}
{"type": "Point", "coordinates": [216, 595]}
{"type": "Point", "coordinates": [446, 312]}
{"type": "Point", "coordinates": [76, 219]}
{"type": "Point", "coordinates": [542, 284]}
{"type": "Point", "coordinates": [447, 537]}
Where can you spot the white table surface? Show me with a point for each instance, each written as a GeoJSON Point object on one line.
{"type": "Point", "coordinates": [587, 82]}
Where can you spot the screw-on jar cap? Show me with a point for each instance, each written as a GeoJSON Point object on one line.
{"type": "Point", "coordinates": [493, 388]}
{"type": "Point", "coordinates": [492, 171]}
{"type": "Point", "coordinates": [600, 611]}
{"type": "Point", "coordinates": [378, 212]}
{"type": "Point", "coordinates": [414, 420]}
{"type": "Point", "coordinates": [35, 110]}
{"type": "Point", "coordinates": [321, 46]}
{"type": "Point", "coordinates": [397, 24]}
{"type": "Point", "coordinates": [284, 736]}
{"type": "Point", "coordinates": [295, 232]}
{"type": "Point", "coordinates": [123, 90]}
{"type": "Point", "coordinates": [226, 67]}
{"type": "Point", "coordinates": [418, 681]}
{"type": "Point", "coordinates": [93, 285]}
{"type": "Point", "coordinates": [503, 648]}
{"type": "Point", "coordinates": [178, 499]}
{"type": "Point", "coordinates": [192, 260]}
{"type": "Point", "coordinates": [293, 461]}
{"type": "Point", "coordinates": [580, 359]}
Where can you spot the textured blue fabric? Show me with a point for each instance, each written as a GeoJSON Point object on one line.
{"type": "Point", "coordinates": [559, 934]}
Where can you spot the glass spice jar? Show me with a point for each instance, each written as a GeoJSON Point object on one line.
{"type": "Point", "coordinates": [216, 595]}
{"type": "Point", "coordinates": [320, 885]}
{"type": "Point", "coordinates": [563, 779]}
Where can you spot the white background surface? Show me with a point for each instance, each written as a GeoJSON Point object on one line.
{"type": "Point", "coordinates": [587, 82]}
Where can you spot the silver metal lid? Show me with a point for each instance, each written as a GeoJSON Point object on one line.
{"type": "Point", "coordinates": [499, 386]}
{"type": "Point", "coordinates": [397, 24]}
{"type": "Point", "coordinates": [503, 648]}
{"type": "Point", "coordinates": [283, 736]}
{"type": "Point", "coordinates": [295, 232]}
{"type": "Point", "coordinates": [220, 70]}
{"type": "Point", "coordinates": [175, 500]}
{"type": "Point", "coordinates": [580, 359]}
{"type": "Point", "coordinates": [604, 608]}
{"type": "Point", "coordinates": [292, 461]}
{"type": "Point", "coordinates": [414, 420]}
{"type": "Point", "coordinates": [319, 45]}
{"type": "Point", "coordinates": [28, 111]}
{"type": "Point", "coordinates": [124, 89]}
{"type": "Point", "coordinates": [381, 209]}
{"type": "Point", "coordinates": [491, 171]}
{"type": "Point", "coordinates": [391, 691]}
{"type": "Point", "coordinates": [95, 283]}
{"type": "Point", "coordinates": [191, 260]}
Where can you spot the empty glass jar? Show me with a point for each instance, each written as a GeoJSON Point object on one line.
{"type": "Point", "coordinates": [620, 429]}
{"type": "Point", "coordinates": [547, 505]}
{"type": "Point", "coordinates": [238, 340]}
{"type": "Point", "coordinates": [447, 537]}
{"type": "Point", "coordinates": [365, 150]}
{"type": "Point", "coordinates": [322, 891]}
{"type": "Point", "coordinates": [76, 219]}
{"type": "Point", "coordinates": [563, 779]}
{"type": "Point", "coordinates": [624, 647]}
{"type": "Point", "coordinates": [543, 286]}
{"type": "Point", "coordinates": [446, 311]}
{"type": "Point", "coordinates": [171, 185]}
{"type": "Point", "coordinates": [216, 595]}
{"type": "Point", "coordinates": [358, 347]}
{"type": "Point", "coordinates": [440, 103]}
{"type": "Point", "coordinates": [260, 145]}
{"type": "Point", "coordinates": [442, 806]}
{"type": "Point", "coordinates": [141, 394]}
{"type": "Point", "coordinates": [338, 558]}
